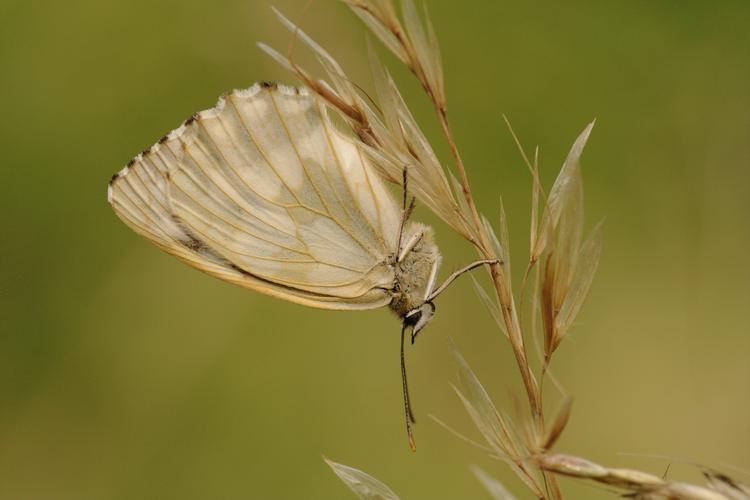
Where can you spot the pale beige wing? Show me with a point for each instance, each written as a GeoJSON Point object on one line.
{"type": "Point", "coordinates": [263, 192]}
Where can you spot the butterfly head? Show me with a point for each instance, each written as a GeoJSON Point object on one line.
{"type": "Point", "coordinates": [418, 318]}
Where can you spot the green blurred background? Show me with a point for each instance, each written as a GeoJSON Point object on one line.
{"type": "Point", "coordinates": [124, 374]}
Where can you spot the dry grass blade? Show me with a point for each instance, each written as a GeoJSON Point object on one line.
{"type": "Point", "coordinates": [377, 27]}
{"type": "Point", "coordinates": [494, 427]}
{"type": "Point", "coordinates": [405, 144]}
{"type": "Point", "coordinates": [341, 82]}
{"type": "Point", "coordinates": [426, 50]}
{"type": "Point", "coordinates": [558, 426]}
{"type": "Point", "coordinates": [463, 438]}
{"type": "Point", "coordinates": [560, 238]}
{"type": "Point", "coordinates": [548, 308]}
{"type": "Point", "coordinates": [464, 207]}
{"type": "Point", "coordinates": [363, 485]}
{"type": "Point", "coordinates": [322, 88]}
{"type": "Point", "coordinates": [430, 184]}
{"type": "Point", "coordinates": [536, 190]}
{"type": "Point", "coordinates": [500, 245]}
{"type": "Point", "coordinates": [436, 58]}
{"type": "Point", "coordinates": [569, 176]}
{"type": "Point", "coordinates": [568, 230]}
{"type": "Point", "coordinates": [486, 417]}
{"type": "Point", "coordinates": [586, 264]}
{"type": "Point", "coordinates": [413, 43]}
{"type": "Point", "coordinates": [497, 246]}
{"type": "Point", "coordinates": [384, 90]}
{"type": "Point", "coordinates": [414, 29]}
{"type": "Point", "coordinates": [564, 187]}
{"type": "Point", "coordinates": [535, 309]}
{"type": "Point", "coordinates": [423, 59]}
{"type": "Point", "coordinates": [495, 488]}
{"type": "Point", "coordinates": [280, 59]}
{"type": "Point", "coordinates": [486, 426]}
{"type": "Point", "coordinates": [726, 485]}
{"type": "Point", "coordinates": [418, 144]}
{"type": "Point", "coordinates": [490, 304]}
{"type": "Point", "coordinates": [505, 243]}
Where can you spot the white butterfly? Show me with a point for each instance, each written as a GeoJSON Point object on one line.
{"type": "Point", "coordinates": [265, 192]}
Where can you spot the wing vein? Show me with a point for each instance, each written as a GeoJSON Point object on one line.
{"type": "Point", "coordinates": [329, 141]}
{"type": "Point", "coordinates": [204, 237]}
{"type": "Point", "coordinates": [312, 259]}
{"type": "Point", "coordinates": [315, 187]}
{"type": "Point", "coordinates": [140, 207]}
{"type": "Point", "coordinates": [261, 151]}
{"type": "Point", "coordinates": [221, 218]}
{"type": "Point", "coordinates": [240, 150]}
{"type": "Point", "coordinates": [226, 161]}
{"type": "Point", "coordinates": [378, 213]}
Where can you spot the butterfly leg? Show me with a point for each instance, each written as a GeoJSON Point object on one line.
{"type": "Point", "coordinates": [458, 273]}
{"type": "Point", "coordinates": [407, 403]}
{"type": "Point", "coordinates": [408, 208]}
{"type": "Point", "coordinates": [409, 246]}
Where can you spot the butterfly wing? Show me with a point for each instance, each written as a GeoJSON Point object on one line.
{"type": "Point", "coordinates": [264, 192]}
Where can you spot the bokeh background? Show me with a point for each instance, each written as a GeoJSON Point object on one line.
{"type": "Point", "coordinates": [124, 374]}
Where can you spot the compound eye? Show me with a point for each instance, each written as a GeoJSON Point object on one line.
{"type": "Point", "coordinates": [413, 317]}
{"type": "Point", "coordinates": [426, 311]}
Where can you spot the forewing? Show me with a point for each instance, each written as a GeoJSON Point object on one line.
{"type": "Point", "coordinates": [263, 192]}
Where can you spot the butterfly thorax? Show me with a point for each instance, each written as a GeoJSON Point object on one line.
{"type": "Point", "coordinates": [414, 274]}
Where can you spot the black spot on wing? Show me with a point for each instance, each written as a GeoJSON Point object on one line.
{"type": "Point", "coordinates": [193, 243]}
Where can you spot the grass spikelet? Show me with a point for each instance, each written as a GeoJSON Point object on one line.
{"type": "Point", "coordinates": [561, 262]}
{"type": "Point", "coordinates": [412, 43]}
{"type": "Point", "coordinates": [560, 240]}
{"type": "Point", "coordinates": [637, 484]}
{"type": "Point", "coordinates": [492, 424]}
{"type": "Point", "coordinates": [393, 139]}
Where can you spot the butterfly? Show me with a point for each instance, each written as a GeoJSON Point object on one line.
{"type": "Point", "coordinates": [266, 192]}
